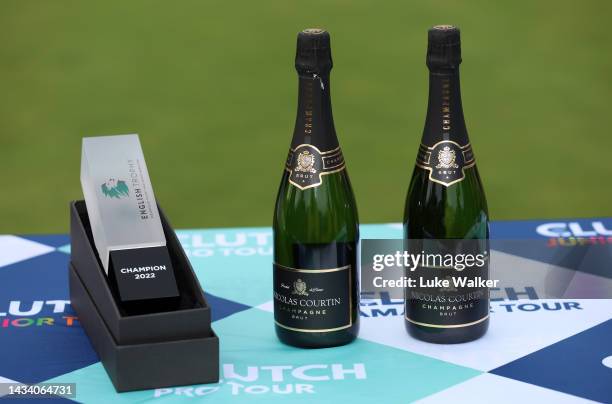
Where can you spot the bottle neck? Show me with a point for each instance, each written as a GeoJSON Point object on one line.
{"type": "Point", "coordinates": [445, 119]}
{"type": "Point", "coordinates": [314, 124]}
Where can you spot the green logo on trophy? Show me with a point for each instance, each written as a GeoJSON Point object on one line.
{"type": "Point", "coordinates": [114, 188]}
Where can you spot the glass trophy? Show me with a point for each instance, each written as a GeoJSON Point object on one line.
{"type": "Point", "coordinates": [124, 218]}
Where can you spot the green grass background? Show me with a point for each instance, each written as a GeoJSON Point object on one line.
{"type": "Point", "coordinates": [211, 89]}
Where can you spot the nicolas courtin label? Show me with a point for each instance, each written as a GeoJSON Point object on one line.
{"type": "Point", "coordinates": [312, 300]}
{"type": "Point", "coordinates": [444, 283]}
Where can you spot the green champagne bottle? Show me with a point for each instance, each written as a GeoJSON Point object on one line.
{"type": "Point", "coordinates": [446, 201]}
{"type": "Point", "coordinates": [316, 230]}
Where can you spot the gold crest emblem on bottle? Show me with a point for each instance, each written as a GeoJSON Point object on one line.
{"type": "Point", "coordinates": [446, 158]}
{"type": "Point", "coordinates": [306, 162]}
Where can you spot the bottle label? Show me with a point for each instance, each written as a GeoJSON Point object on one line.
{"type": "Point", "coordinates": [307, 165]}
{"type": "Point", "coordinates": [448, 307]}
{"type": "Point", "coordinates": [312, 300]}
{"type": "Point", "coordinates": [462, 307]}
{"type": "Point", "coordinates": [445, 161]}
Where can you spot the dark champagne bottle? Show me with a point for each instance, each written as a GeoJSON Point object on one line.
{"type": "Point", "coordinates": [316, 230]}
{"type": "Point", "coordinates": [446, 205]}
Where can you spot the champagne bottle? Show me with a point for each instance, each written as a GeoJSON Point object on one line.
{"type": "Point", "coordinates": [316, 230]}
{"type": "Point", "coordinates": [446, 201]}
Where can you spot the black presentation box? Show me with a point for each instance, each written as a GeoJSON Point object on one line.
{"type": "Point", "coordinates": [142, 349]}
